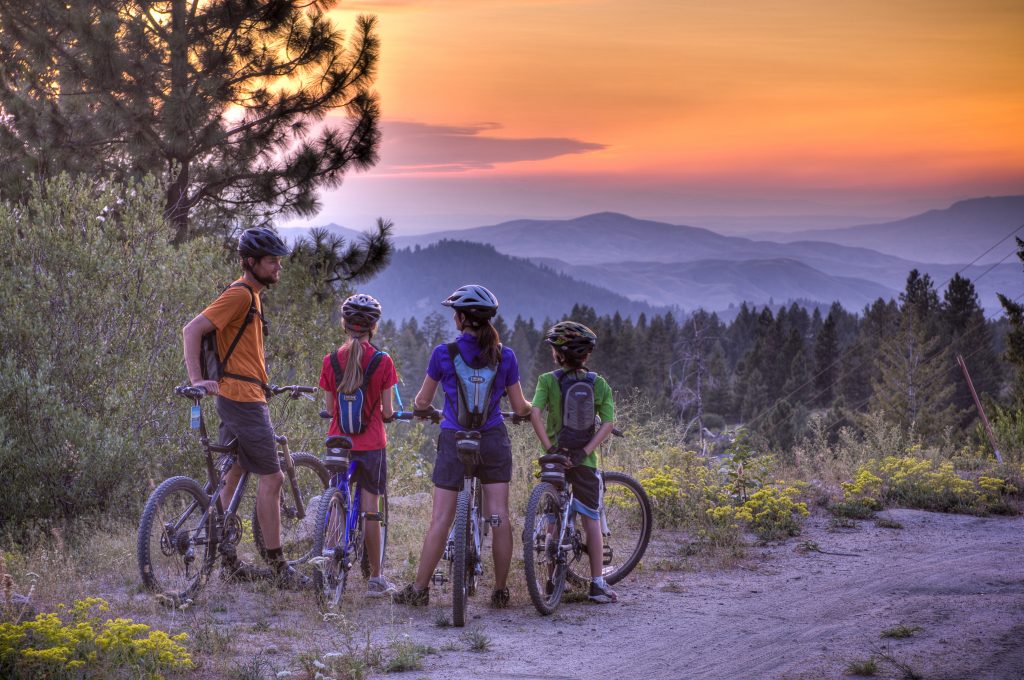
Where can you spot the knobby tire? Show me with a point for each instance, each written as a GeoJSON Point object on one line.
{"type": "Point", "coordinates": [460, 560]}
{"type": "Point", "coordinates": [313, 478]}
{"type": "Point", "coordinates": [175, 566]}
{"type": "Point", "coordinates": [542, 526]}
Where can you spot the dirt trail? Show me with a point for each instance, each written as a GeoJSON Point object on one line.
{"type": "Point", "coordinates": [789, 613]}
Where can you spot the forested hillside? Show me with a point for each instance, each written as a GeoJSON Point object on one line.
{"type": "Point", "coordinates": [770, 370]}
{"type": "Point", "coordinates": [420, 278]}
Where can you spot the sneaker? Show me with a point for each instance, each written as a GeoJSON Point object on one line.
{"type": "Point", "coordinates": [379, 586]}
{"type": "Point", "coordinates": [412, 596]}
{"type": "Point", "coordinates": [287, 577]}
{"type": "Point", "coordinates": [601, 592]}
{"type": "Point", "coordinates": [499, 598]}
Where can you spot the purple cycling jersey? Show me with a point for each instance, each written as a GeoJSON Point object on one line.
{"type": "Point", "coordinates": [442, 370]}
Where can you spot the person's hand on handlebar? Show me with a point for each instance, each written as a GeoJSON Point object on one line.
{"type": "Point", "coordinates": [211, 386]}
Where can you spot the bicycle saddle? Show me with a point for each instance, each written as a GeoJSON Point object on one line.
{"type": "Point", "coordinates": [337, 441]}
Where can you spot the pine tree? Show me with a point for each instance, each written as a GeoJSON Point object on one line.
{"type": "Point", "coordinates": [913, 388]}
{"type": "Point", "coordinates": [826, 363]}
{"type": "Point", "coordinates": [224, 100]}
{"type": "Point", "coordinates": [964, 323]}
{"type": "Point", "coordinates": [1015, 336]}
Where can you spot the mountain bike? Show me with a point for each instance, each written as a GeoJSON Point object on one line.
{"type": "Point", "coordinates": [185, 528]}
{"type": "Point", "coordinates": [339, 530]}
{"type": "Point", "coordinates": [555, 549]}
{"type": "Point", "coordinates": [463, 549]}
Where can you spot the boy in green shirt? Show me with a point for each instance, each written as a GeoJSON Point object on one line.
{"type": "Point", "coordinates": [572, 397]}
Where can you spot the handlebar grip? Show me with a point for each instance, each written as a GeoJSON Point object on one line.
{"type": "Point", "coordinates": [190, 391]}
{"type": "Point", "coordinates": [325, 415]}
{"type": "Point", "coordinates": [429, 413]}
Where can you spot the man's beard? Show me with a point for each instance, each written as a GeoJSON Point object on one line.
{"type": "Point", "coordinates": [265, 281]}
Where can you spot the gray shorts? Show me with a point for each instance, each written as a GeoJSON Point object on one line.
{"type": "Point", "coordinates": [249, 422]}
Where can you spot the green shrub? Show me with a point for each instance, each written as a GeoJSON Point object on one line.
{"type": "Point", "coordinates": [94, 300]}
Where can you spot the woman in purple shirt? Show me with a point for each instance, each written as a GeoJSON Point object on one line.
{"type": "Point", "coordinates": [478, 347]}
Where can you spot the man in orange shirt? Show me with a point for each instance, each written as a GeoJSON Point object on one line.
{"type": "Point", "coordinates": [241, 396]}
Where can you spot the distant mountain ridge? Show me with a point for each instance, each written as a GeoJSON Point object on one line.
{"type": "Point", "coordinates": [954, 235]}
{"type": "Point", "coordinates": [633, 260]}
{"type": "Point", "coordinates": [418, 279]}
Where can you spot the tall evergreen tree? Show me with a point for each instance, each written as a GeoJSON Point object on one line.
{"type": "Point", "coordinates": [225, 100]}
{"type": "Point", "coordinates": [913, 388]}
{"type": "Point", "coordinates": [1015, 336]}
{"type": "Point", "coordinates": [826, 363]}
{"type": "Point", "coordinates": [964, 323]}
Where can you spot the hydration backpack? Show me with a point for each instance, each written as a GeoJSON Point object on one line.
{"type": "Point", "coordinates": [474, 388]}
{"type": "Point", "coordinates": [577, 408]}
{"type": "Point", "coordinates": [215, 368]}
{"type": "Point", "coordinates": [353, 416]}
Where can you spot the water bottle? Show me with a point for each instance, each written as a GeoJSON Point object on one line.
{"type": "Point", "coordinates": [195, 416]}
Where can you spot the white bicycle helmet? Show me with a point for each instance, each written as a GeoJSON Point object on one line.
{"type": "Point", "coordinates": [473, 300]}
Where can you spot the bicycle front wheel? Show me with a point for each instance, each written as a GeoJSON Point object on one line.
{"type": "Point", "coordinates": [626, 524]}
{"type": "Point", "coordinates": [543, 559]}
{"type": "Point", "coordinates": [461, 560]}
{"type": "Point", "coordinates": [329, 549]}
{"type": "Point", "coordinates": [312, 478]}
{"type": "Point", "coordinates": [174, 549]}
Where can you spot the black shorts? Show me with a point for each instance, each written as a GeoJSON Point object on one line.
{"type": "Point", "coordinates": [372, 472]}
{"type": "Point", "coordinates": [586, 489]}
{"type": "Point", "coordinates": [249, 422]}
{"type": "Point", "coordinates": [495, 452]}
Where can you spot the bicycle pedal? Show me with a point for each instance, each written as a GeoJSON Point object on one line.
{"type": "Point", "coordinates": [607, 554]}
{"type": "Point", "coordinates": [438, 578]}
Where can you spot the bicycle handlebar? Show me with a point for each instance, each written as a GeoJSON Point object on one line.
{"type": "Point", "coordinates": [295, 391]}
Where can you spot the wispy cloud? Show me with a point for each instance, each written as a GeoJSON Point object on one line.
{"type": "Point", "coordinates": [422, 148]}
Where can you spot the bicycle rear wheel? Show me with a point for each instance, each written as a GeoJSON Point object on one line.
{"type": "Point", "coordinates": [543, 559]}
{"type": "Point", "coordinates": [174, 550]}
{"type": "Point", "coordinates": [461, 560]}
{"type": "Point", "coordinates": [312, 478]}
{"type": "Point", "coordinates": [329, 573]}
{"type": "Point", "coordinates": [627, 511]}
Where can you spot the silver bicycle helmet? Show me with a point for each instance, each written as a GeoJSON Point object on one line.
{"type": "Point", "coordinates": [473, 300]}
{"type": "Point", "coordinates": [360, 312]}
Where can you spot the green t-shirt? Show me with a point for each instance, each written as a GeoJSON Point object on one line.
{"type": "Point", "coordinates": [548, 396]}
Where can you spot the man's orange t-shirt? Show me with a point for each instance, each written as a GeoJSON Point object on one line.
{"type": "Point", "coordinates": [227, 313]}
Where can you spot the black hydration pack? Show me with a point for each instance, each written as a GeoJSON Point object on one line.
{"type": "Point", "coordinates": [215, 368]}
{"type": "Point", "coordinates": [577, 408]}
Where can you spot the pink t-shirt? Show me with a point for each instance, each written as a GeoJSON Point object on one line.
{"type": "Point", "coordinates": [384, 378]}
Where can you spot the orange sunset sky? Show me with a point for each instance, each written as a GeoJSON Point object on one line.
{"type": "Point", "coordinates": [731, 114]}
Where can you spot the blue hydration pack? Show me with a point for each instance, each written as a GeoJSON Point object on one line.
{"type": "Point", "coordinates": [578, 410]}
{"type": "Point", "coordinates": [353, 416]}
{"type": "Point", "coordinates": [474, 388]}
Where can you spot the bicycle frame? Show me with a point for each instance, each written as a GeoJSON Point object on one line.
{"type": "Point", "coordinates": [341, 481]}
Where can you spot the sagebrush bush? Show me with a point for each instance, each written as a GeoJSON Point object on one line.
{"type": "Point", "coordinates": [94, 299]}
